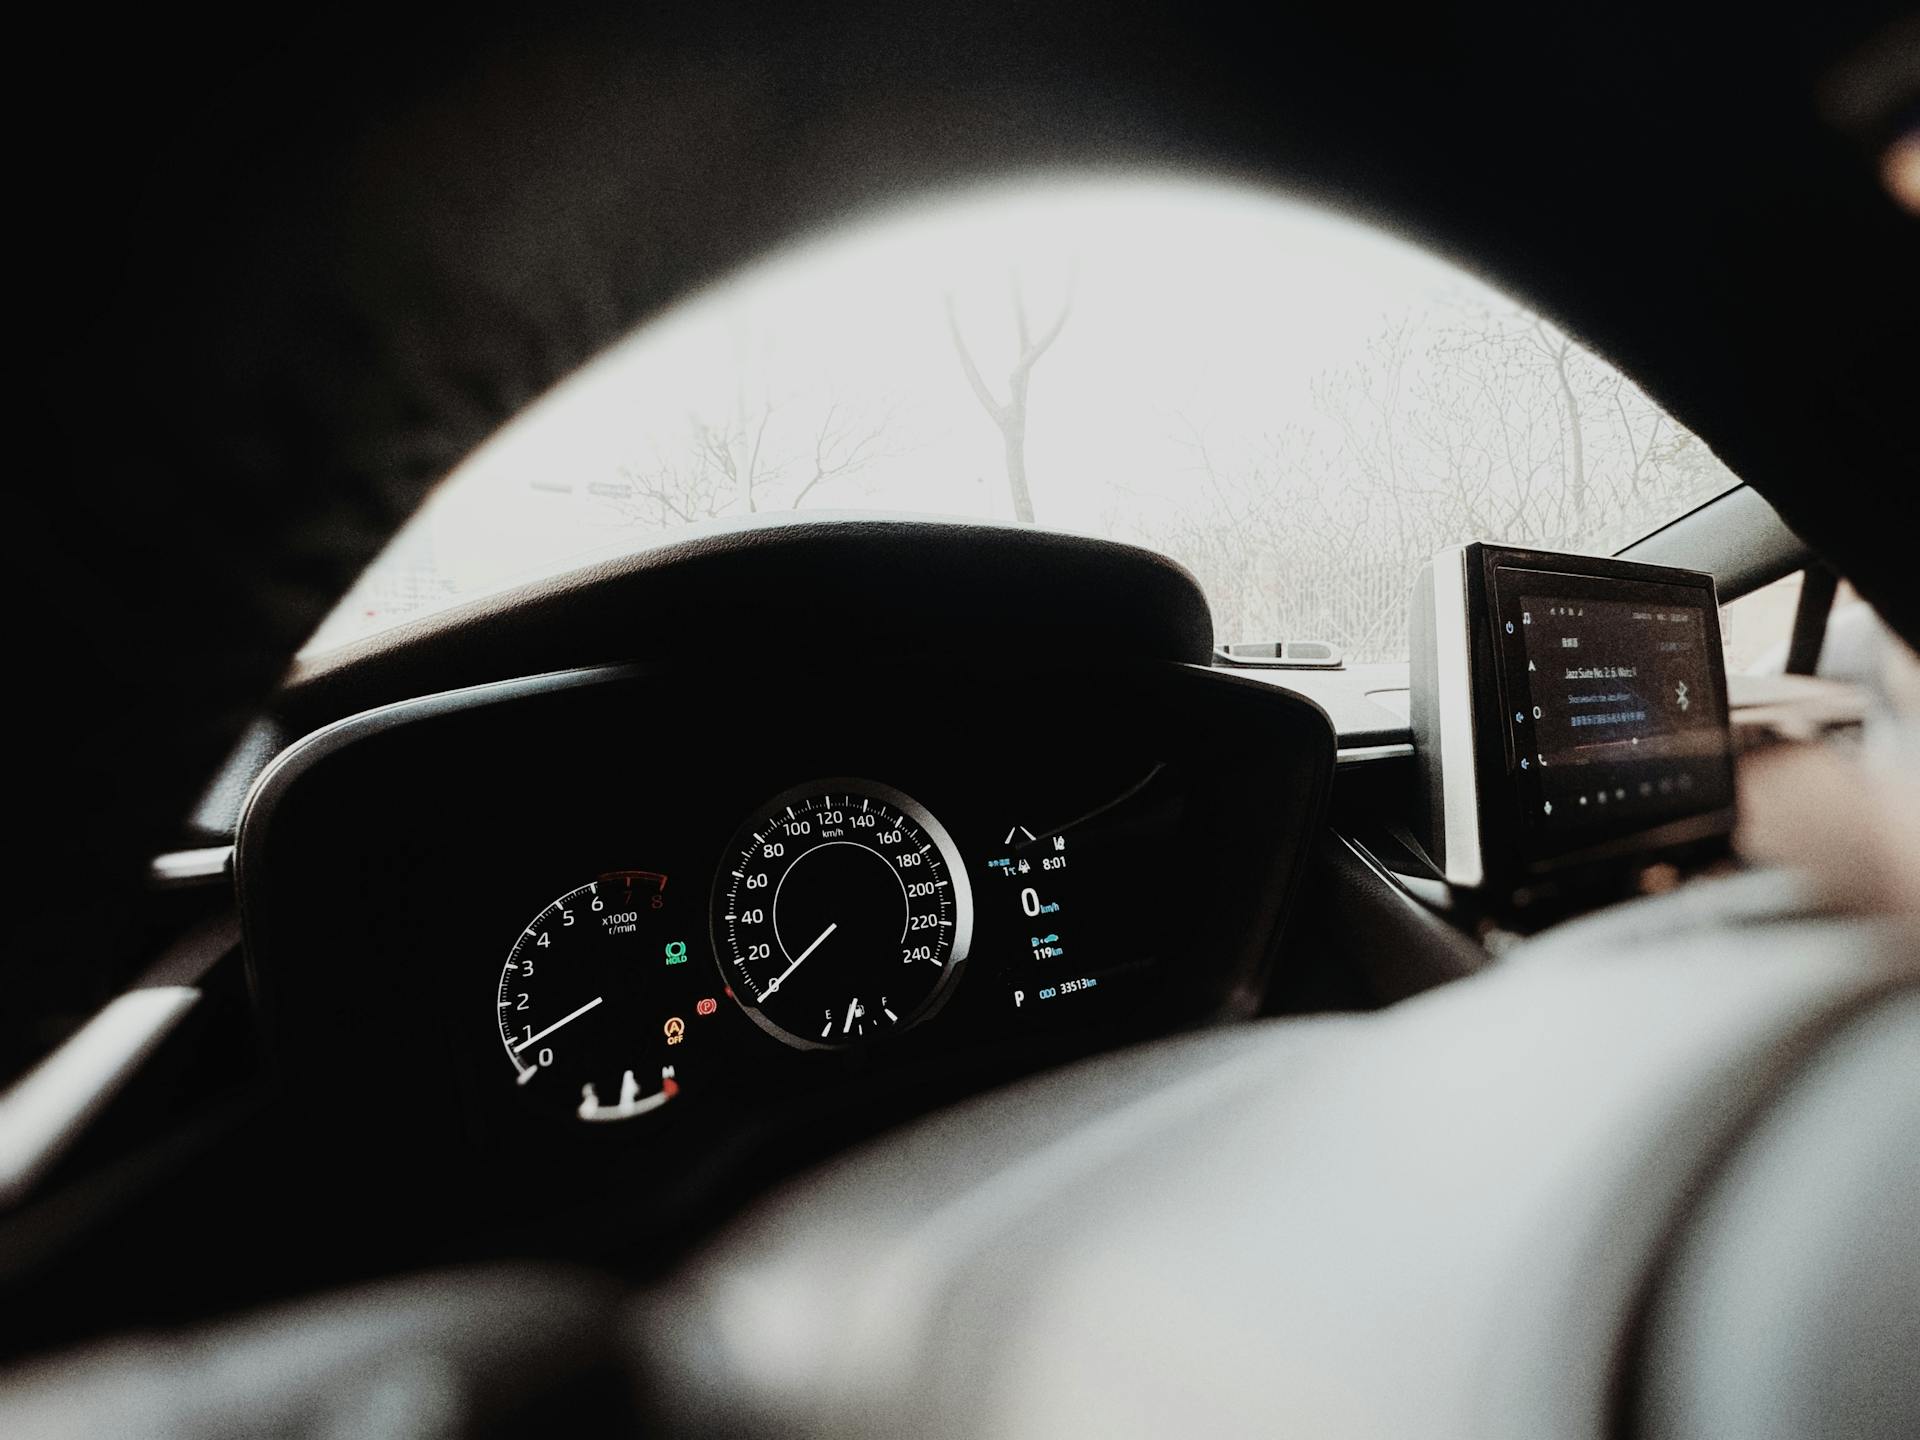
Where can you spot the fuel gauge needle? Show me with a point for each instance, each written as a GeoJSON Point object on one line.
{"type": "Point", "coordinates": [762, 999]}
{"type": "Point", "coordinates": [563, 1020]}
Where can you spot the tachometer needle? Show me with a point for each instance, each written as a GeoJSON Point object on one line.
{"type": "Point", "coordinates": [762, 999]}
{"type": "Point", "coordinates": [567, 1019]}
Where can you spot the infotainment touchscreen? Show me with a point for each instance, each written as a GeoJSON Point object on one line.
{"type": "Point", "coordinates": [1569, 718]}
{"type": "Point", "coordinates": [1618, 720]}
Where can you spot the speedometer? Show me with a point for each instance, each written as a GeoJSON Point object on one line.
{"type": "Point", "coordinates": [841, 911]}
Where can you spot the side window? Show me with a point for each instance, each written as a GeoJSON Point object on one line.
{"type": "Point", "coordinates": [1758, 627]}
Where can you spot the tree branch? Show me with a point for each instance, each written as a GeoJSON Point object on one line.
{"type": "Point", "coordinates": [972, 371]}
{"type": "Point", "coordinates": [1030, 353]}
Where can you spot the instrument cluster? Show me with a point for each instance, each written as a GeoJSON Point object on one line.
{"type": "Point", "coordinates": [840, 915]}
{"type": "Point", "coordinates": [683, 904]}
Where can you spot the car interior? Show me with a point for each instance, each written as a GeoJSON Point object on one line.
{"type": "Point", "coordinates": [1497, 1017]}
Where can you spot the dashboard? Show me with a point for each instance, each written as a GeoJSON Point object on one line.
{"type": "Point", "coordinates": [685, 919]}
{"type": "Point", "coordinates": [577, 964]}
{"type": "Point", "coordinates": [585, 964]}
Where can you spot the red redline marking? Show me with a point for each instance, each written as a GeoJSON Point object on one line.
{"type": "Point", "coordinates": [632, 875]}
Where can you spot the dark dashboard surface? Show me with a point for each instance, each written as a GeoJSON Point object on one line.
{"type": "Point", "coordinates": [1131, 837]}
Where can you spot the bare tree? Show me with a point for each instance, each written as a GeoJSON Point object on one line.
{"type": "Point", "coordinates": [1490, 425]}
{"type": "Point", "coordinates": [756, 459]}
{"type": "Point", "coordinates": [845, 442]}
{"type": "Point", "coordinates": [732, 454]}
{"type": "Point", "coordinates": [1010, 415]}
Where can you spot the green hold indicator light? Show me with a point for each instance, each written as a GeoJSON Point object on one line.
{"type": "Point", "coordinates": [676, 952]}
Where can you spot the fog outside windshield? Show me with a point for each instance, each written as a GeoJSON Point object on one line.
{"type": "Point", "coordinates": [1298, 408]}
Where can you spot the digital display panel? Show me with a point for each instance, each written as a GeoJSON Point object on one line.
{"type": "Point", "coordinates": [1615, 709]}
{"type": "Point", "coordinates": [1078, 935]}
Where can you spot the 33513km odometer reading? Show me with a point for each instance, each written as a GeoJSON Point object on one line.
{"type": "Point", "coordinates": [841, 911]}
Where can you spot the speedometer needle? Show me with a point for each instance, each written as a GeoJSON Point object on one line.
{"type": "Point", "coordinates": [564, 1019]}
{"type": "Point", "coordinates": [762, 999]}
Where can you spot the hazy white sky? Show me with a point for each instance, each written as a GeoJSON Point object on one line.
{"type": "Point", "coordinates": [1192, 303]}
{"type": "Point", "coordinates": [1198, 307]}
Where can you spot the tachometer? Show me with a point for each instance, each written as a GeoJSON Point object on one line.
{"type": "Point", "coordinates": [600, 998]}
{"type": "Point", "coordinates": [841, 911]}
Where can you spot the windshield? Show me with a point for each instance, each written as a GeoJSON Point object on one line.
{"type": "Point", "coordinates": [1298, 408]}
